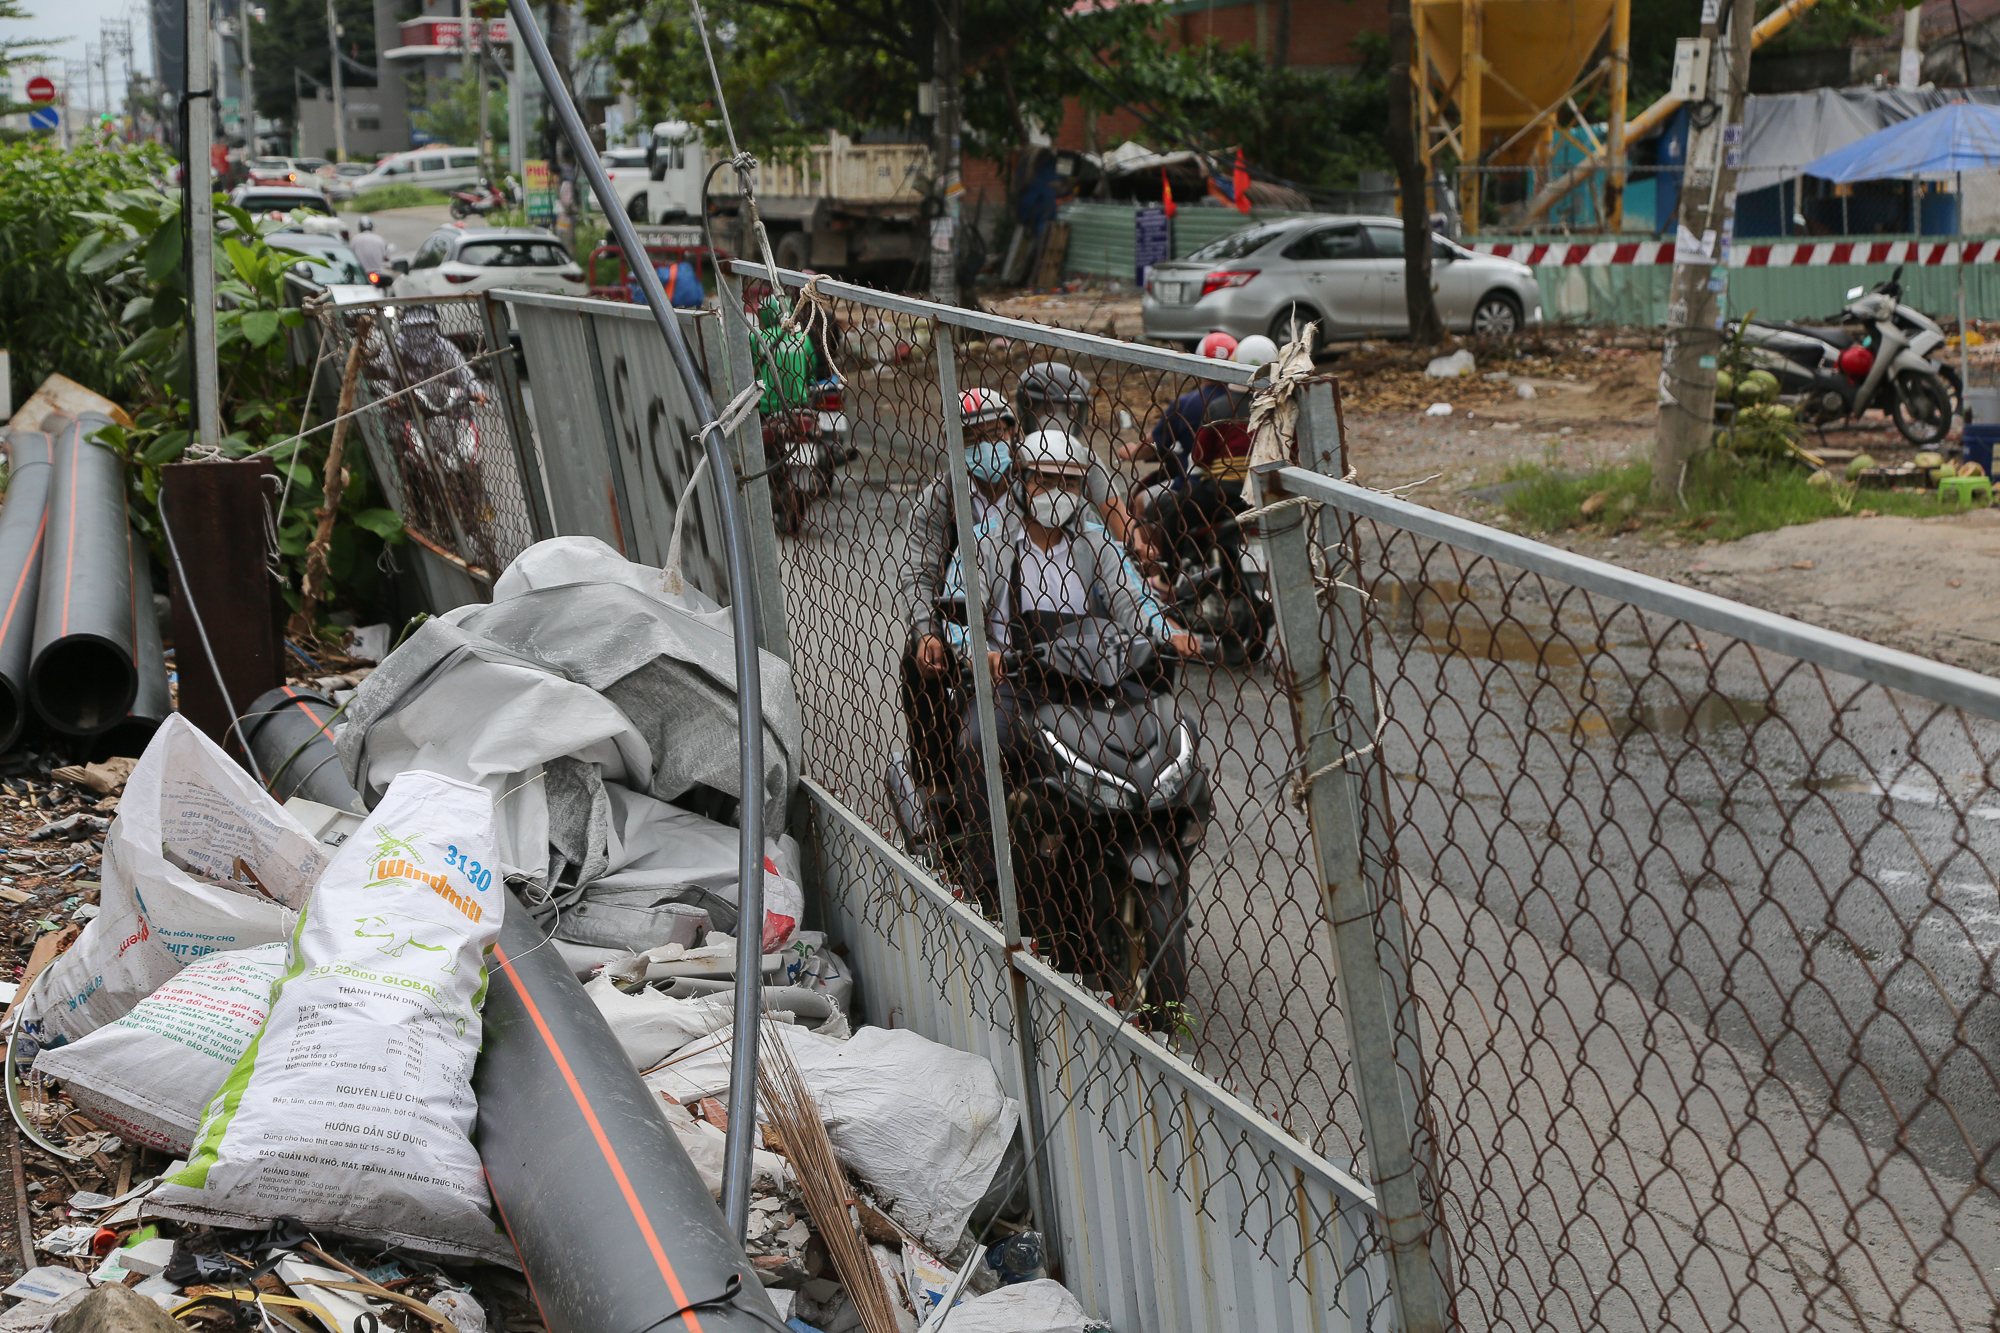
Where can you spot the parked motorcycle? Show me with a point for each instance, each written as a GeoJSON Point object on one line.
{"type": "Point", "coordinates": [1882, 355]}
{"type": "Point", "coordinates": [1104, 815]}
{"type": "Point", "coordinates": [481, 199]}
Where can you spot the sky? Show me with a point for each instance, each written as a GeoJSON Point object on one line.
{"type": "Point", "coordinates": [73, 23]}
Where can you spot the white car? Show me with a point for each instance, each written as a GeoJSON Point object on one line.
{"type": "Point", "coordinates": [457, 262]}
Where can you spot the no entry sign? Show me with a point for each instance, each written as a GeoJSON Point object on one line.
{"type": "Point", "coordinates": [41, 89]}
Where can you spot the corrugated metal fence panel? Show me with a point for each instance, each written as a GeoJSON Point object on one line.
{"type": "Point", "coordinates": [618, 434]}
{"type": "Point", "coordinates": [1177, 1212]}
{"type": "Point", "coordinates": [570, 425]}
{"type": "Point", "coordinates": [1637, 293]}
{"type": "Point", "coordinates": [1100, 235]}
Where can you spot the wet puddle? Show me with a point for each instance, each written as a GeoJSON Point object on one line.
{"type": "Point", "coordinates": [1452, 622]}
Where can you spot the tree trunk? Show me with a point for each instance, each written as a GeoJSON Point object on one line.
{"type": "Point", "coordinates": [1426, 329]}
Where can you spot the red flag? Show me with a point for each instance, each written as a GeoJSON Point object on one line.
{"type": "Point", "coordinates": [1166, 192]}
{"type": "Point", "coordinates": [1240, 184]}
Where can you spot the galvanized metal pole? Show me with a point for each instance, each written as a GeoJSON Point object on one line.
{"type": "Point", "coordinates": [1333, 707]}
{"type": "Point", "coordinates": [339, 102]}
{"type": "Point", "coordinates": [201, 225]}
{"type": "Point", "coordinates": [1028, 1071]}
{"type": "Point", "coordinates": [743, 620]}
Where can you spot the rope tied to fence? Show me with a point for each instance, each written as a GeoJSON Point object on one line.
{"type": "Point", "coordinates": [1274, 411]}
{"type": "Point", "coordinates": [817, 308]}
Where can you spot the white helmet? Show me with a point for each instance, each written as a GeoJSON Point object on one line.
{"type": "Point", "coordinates": [1256, 350]}
{"type": "Point", "coordinates": [1052, 451]}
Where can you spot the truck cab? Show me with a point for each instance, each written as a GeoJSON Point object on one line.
{"type": "Point", "coordinates": [661, 184]}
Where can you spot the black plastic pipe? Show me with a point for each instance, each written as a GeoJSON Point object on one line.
{"type": "Point", "coordinates": [153, 701]}
{"type": "Point", "coordinates": [24, 523]}
{"type": "Point", "coordinates": [290, 735]}
{"type": "Point", "coordinates": [742, 614]}
{"type": "Point", "coordinates": [82, 680]}
{"type": "Point", "coordinates": [614, 1227]}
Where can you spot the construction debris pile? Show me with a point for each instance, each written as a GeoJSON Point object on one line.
{"type": "Point", "coordinates": [252, 1061]}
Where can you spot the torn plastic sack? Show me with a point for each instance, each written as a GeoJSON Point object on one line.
{"type": "Point", "coordinates": [661, 860]}
{"type": "Point", "coordinates": [352, 1110]}
{"type": "Point", "coordinates": [583, 675]}
{"type": "Point", "coordinates": [704, 1144]}
{"type": "Point", "coordinates": [199, 860]}
{"type": "Point", "coordinates": [149, 1074]}
{"type": "Point", "coordinates": [651, 1026]}
{"type": "Point", "coordinates": [1043, 1306]}
{"type": "Point", "coordinates": [923, 1125]}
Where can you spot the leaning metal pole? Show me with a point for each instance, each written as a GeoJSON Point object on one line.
{"type": "Point", "coordinates": [743, 617]}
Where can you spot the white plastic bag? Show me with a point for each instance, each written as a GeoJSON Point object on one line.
{"type": "Point", "coordinates": [1041, 1306]}
{"type": "Point", "coordinates": [173, 890]}
{"type": "Point", "coordinates": [353, 1109]}
{"type": "Point", "coordinates": [923, 1125]}
{"type": "Point", "coordinates": [651, 1026]}
{"type": "Point", "coordinates": [149, 1074]}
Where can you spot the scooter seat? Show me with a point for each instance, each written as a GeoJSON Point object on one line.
{"type": "Point", "coordinates": [1839, 339]}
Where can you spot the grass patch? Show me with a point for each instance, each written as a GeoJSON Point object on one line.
{"type": "Point", "coordinates": [384, 197]}
{"type": "Point", "coordinates": [1720, 500]}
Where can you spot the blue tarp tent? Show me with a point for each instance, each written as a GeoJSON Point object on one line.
{"type": "Point", "coordinates": [1962, 136]}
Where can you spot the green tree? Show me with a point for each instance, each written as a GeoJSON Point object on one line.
{"type": "Point", "coordinates": [448, 110]}
{"type": "Point", "coordinates": [54, 319]}
{"type": "Point", "coordinates": [13, 48]}
{"type": "Point", "coordinates": [293, 37]}
{"type": "Point", "coordinates": [792, 69]}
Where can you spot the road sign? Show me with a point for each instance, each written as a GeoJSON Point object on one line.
{"type": "Point", "coordinates": [41, 89]}
{"type": "Point", "coordinates": [42, 118]}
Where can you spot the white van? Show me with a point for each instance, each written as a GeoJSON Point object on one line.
{"type": "Point", "coordinates": [436, 167]}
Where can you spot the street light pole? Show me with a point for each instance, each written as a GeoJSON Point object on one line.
{"type": "Point", "coordinates": [950, 184]}
{"type": "Point", "coordinates": [199, 141]}
{"type": "Point", "coordinates": [339, 103]}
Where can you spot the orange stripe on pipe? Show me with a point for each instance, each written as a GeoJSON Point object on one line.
{"type": "Point", "coordinates": [672, 1279]}
{"type": "Point", "coordinates": [69, 554]}
{"type": "Point", "coordinates": [300, 704]}
{"type": "Point", "coordinates": [498, 1207]}
{"type": "Point", "coordinates": [21, 583]}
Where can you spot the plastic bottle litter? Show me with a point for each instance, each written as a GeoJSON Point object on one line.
{"type": "Point", "coordinates": [1454, 366]}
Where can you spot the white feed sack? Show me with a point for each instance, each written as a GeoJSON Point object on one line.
{"type": "Point", "coordinates": [192, 834]}
{"type": "Point", "coordinates": [353, 1109]}
{"type": "Point", "coordinates": [149, 1074]}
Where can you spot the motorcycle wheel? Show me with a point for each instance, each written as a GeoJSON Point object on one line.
{"type": "Point", "coordinates": [1922, 409]}
{"type": "Point", "coordinates": [1949, 374]}
{"type": "Point", "coordinates": [460, 210]}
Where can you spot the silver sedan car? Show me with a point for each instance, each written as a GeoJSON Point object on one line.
{"type": "Point", "coordinates": [1345, 272]}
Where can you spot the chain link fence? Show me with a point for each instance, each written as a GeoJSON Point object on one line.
{"type": "Point", "coordinates": [1697, 914]}
{"type": "Point", "coordinates": [1528, 944]}
{"type": "Point", "coordinates": [1666, 1000]}
{"type": "Point", "coordinates": [439, 414]}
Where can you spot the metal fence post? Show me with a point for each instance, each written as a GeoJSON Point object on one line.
{"type": "Point", "coordinates": [725, 344]}
{"type": "Point", "coordinates": [1027, 1067]}
{"type": "Point", "coordinates": [1333, 709]}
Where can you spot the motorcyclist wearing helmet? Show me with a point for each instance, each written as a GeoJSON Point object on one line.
{"type": "Point", "coordinates": [1174, 441]}
{"type": "Point", "coordinates": [370, 248]}
{"type": "Point", "coordinates": [1054, 396]}
{"type": "Point", "coordinates": [987, 426]}
{"type": "Point", "coordinates": [1043, 560]}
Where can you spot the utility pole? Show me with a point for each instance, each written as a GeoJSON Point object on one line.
{"type": "Point", "coordinates": [244, 17]}
{"type": "Point", "coordinates": [1701, 250]}
{"type": "Point", "coordinates": [517, 107]}
{"type": "Point", "coordinates": [567, 190]}
{"type": "Point", "coordinates": [950, 184]}
{"type": "Point", "coordinates": [117, 35]}
{"type": "Point", "coordinates": [475, 64]}
{"type": "Point", "coordinates": [196, 171]}
{"type": "Point", "coordinates": [339, 102]}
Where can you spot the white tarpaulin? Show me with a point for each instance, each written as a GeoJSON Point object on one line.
{"type": "Point", "coordinates": [1784, 131]}
{"type": "Point", "coordinates": [582, 698]}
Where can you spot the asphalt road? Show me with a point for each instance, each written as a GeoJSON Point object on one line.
{"type": "Point", "coordinates": [1648, 839]}
{"type": "Point", "coordinates": [406, 228]}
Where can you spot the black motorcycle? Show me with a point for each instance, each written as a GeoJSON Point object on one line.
{"type": "Point", "coordinates": [1200, 562]}
{"type": "Point", "coordinates": [1104, 813]}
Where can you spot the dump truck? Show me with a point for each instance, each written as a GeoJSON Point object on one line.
{"type": "Point", "coordinates": [839, 207]}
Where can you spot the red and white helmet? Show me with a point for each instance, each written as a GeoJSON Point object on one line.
{"type": "Point", "coordinates": [977, 406]}
{"type": "Point", "coordinates": [1218, 345]}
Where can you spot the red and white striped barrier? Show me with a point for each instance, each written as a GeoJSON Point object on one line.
{"type": "Point", "coordinates": [1601, 253]}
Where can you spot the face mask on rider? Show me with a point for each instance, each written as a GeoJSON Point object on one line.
{"type": "Point", "coordinates": [1056, 508]}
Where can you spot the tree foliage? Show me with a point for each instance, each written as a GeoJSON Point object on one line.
{"type": "Point", "coordinates": [53, 318]}
{"type": "Point", "coordinates": [792, 69]}
{"type": "Point", "coordinates": [293, 37]}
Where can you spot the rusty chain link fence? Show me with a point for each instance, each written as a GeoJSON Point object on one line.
{"type": "Point", "coordinates": [1545, 946]}
{"type": "Point", "coordinates": [1674, 921]}
{"type": "Point", "coordinates": [439, 416]}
